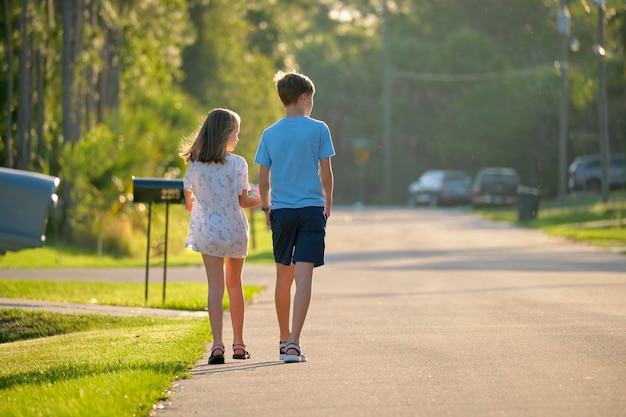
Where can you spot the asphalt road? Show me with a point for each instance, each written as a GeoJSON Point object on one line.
{"type": "Point", "coordinates": [424, 312]}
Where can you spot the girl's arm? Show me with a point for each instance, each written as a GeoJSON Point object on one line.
{"type": "Point", "coordinates": [246, 201]}
{"type": "Point", "coordinates": [188, 199]}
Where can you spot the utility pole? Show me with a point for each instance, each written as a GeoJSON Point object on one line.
{"type": "Point", "coordinates": [602, 104]}
{"type": "Point", "coordinates": [563, 24]}
{"type": "Point", "coordinates": [386, 110]}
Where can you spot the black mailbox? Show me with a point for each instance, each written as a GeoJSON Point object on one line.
{"type": "Point", "coordinates": [158, 190]}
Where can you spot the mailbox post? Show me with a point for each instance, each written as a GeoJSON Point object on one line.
{"type": "Point", "coordinates": [160, 191]}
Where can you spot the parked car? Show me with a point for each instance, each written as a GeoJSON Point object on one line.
{"type": "Point", "coordinates": [495, 187]}
{"type": "Point", "coordinates": [441, 187]}
{"type": "Point", "coordinates": [585, 173]}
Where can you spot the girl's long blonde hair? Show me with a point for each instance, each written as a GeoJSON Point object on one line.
{"type": "Point", "coordinates": [209, 143]}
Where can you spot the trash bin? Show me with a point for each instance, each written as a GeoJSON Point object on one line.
{"type": "Point", "coordinates": [527, 203]}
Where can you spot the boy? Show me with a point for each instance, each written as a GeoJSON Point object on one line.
{"type": "Point", "coordinates": [296, 151]}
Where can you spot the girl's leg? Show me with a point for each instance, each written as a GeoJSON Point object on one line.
{"type": "Point", "coordinates": [214, 267]}
{"type": "Point", "coordinates": [301, 301]}
{"type": "Point", "coordinates": [234, 267]}
{"type": "Point", "coordinates": [282, 298]}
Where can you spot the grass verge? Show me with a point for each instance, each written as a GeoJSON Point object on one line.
{"type": "Point", "coordinates": [179, 296]}
{"type": "Point", "coordinates": [83, 365]}
{"type": "Point", "coordinates": [584, 220]}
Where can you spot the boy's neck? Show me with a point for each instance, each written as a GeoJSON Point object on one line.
{"type": "Point", "coordinates": [294, 111]}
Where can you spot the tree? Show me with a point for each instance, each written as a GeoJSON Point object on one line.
{"type": "Point", "coordinates": [8, 154]}
{"type": "Point", "coordinates": [223, 70]}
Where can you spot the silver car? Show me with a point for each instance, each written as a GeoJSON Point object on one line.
{"type": "Point", "coordinates": [441, 187]}
{"type": "Point", "coordinates": [585, 173]}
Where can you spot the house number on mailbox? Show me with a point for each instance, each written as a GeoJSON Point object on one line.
{"type": "Point", "coordinates": [168, 194]}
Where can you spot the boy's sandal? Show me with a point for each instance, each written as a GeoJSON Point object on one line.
{"type": "Point", "coordinates": [217, 358]}
{"type": "Point", "coordinates": [281, 350]}
{"type": "Point", "coordinates": [299, 357]}
{"type": "Point", "coordinates": [240, 352]}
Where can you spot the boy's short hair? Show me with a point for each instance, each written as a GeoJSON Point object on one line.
{"type": "Point", "coordinates": [291, 86]}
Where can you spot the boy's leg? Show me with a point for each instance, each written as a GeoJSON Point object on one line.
{"type": "Point", "coordinates": [214, 267]}
{"type": "Point", "coordinates": [282, 298]}
{"type": "Point", "coordinates": [234, 267]}
{"type": "Point", "coordinates": [301, 301]}
{"type": "Point", "coordinates": [308, 253]}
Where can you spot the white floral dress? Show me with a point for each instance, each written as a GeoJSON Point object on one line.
{"type": "Point", "coordinates": [218, 225]}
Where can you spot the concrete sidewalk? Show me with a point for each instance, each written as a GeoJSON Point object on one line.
{"type": "Point", "coordinates": [76, 308]}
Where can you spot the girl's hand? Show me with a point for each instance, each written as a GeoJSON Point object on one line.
{"type": "Point", "coordinates": [254, 191]}
{"type": "Point", "coordinates": [189, 203]}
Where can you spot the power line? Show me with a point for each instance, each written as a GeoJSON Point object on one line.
{"type": "Point", "coordinates": [485, 76]}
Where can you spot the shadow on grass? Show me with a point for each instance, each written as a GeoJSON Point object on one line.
{"type": "Point", "coordinates": [64, 372]}
{"type": "Point", "coordinates": [17, 324]}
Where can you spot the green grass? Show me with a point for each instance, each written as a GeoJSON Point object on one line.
{"type": "Point", "coordinates": [583, 220]}
{"type": "Point", "coordinates": [608, 238]}
{"type": "Point", "coordinates": [179, 296]}
{"type": "Point", "coordinates": [58, 255]}
{"type": "Point", "coordinates": [82, 365]}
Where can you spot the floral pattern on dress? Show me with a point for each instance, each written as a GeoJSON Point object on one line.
{"type": "Point", "coordinates": [218, 225]}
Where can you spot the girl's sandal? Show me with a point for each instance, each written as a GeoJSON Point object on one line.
{"type": "Point", "coordinates": [217, 358]}
{"type": "Point", "coordinates": [281, 350]}
{"type": "Point", "coordinates": [240, 352]}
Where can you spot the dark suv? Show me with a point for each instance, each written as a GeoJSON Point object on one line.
{"type": "Point", "coordinates": [495, 187]}
{"type": "Point", "coordinates": [585, 173]}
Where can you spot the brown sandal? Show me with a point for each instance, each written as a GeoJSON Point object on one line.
{"type": "Point", "coordinates": [215, 358]}
{"type": "Point", "coordinates": [240, 348]}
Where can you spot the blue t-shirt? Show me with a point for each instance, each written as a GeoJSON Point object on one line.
{"type": "Point", "coordinates": [292, 148]}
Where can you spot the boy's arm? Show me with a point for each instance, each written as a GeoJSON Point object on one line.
{"type": "Point", "coordinates": [326, 176]}
{"type": "Point", "coordinates": [264, 191]}
{"type": "Point", "coordinates": [264, 185]}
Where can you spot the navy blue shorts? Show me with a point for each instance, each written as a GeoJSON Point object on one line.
{"type": "Point", "coordinates": [298, 235]}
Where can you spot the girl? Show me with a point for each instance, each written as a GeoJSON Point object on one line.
{"type": "Point", "coordinates": [216, 192]}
